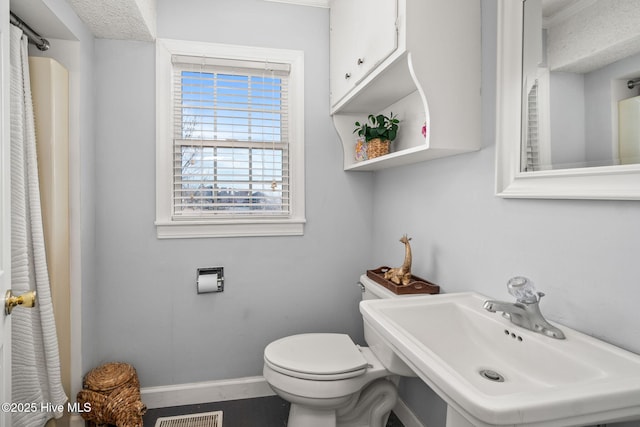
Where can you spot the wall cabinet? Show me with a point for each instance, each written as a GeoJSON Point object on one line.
{"type": "Point", "coordinates": [357, 49]}
{"type": "Point", "coordinates": [417, 58]}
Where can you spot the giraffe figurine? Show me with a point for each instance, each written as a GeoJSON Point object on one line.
{"type": "Point", "coordinates": [401, 274]}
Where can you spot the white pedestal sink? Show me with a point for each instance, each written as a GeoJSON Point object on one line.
{"type": "Point", "coordinates": [493, 373]}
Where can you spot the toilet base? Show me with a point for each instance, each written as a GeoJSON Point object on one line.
{"type": "Point", "coordinates": [304, 416]}
{"type": "Point", "coordinates": [370, 408]}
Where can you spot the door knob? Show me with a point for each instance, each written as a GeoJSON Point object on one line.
{"type": "Point", "coordinates": [26, 299]}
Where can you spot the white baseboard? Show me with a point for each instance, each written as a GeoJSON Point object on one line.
{"type": "Point", "coordinates": [206, 391]}
{"type": "Point", "coordinates": [234, 389]}
{"type": "Point", "coordinates": [195, 393]}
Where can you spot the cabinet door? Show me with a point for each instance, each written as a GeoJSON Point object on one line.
{"type": "Point", "coordinates": [343, 47]}
{"type": "Point", "coordinates": [363, 34]}
{"type": "Point", "coordinates": [379, 35]}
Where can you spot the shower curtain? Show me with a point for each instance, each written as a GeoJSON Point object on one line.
{"type": "Point", "coordinates": [35, 358]}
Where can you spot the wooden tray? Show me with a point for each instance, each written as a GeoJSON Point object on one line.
{"type": "Point", "coordinates": [415, 286]}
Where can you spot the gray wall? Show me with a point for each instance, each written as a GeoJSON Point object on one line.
{"type": "Point", "coordinates": [582, 254]}
{"type": "Point", "coordinates": [584, 116]}
{"type": "Point", "coordinates": [567, 127]}
{"type": "Point", "coordinates": [603, 88]}
{"type": "Point", "coordinates": [147, 311]}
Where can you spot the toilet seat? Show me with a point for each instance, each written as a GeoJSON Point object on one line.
{"type": "Point", "coordinates": [319, 357]}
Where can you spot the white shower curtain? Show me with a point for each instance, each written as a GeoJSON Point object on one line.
{"type": "Point", "coordinates": [35, 358]}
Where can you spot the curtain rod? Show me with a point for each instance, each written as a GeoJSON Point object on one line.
{"type": "Point", "coordinates": [35, 38]}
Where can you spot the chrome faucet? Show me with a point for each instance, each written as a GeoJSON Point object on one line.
{"type": "Point", "coordinates": [525, 311]}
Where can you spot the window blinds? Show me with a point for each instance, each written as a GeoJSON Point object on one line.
{"type": "Point", "coordinates": [532, 161]}
{"type": "Point", "coordinates": [231, 138]}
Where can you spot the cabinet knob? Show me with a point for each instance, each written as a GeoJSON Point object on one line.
{"type": "Point", "coordinates": [360, 61]}
{"type": "Point", "coordinates": [347, 76]}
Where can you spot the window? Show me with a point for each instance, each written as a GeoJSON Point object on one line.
{"type": "Point", "coordinates": [230, 159]}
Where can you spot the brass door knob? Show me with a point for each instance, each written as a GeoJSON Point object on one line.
{"type": "Point", "coordinates": [26, 299]}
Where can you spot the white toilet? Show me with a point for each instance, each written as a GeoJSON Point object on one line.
{"type": "Point", "coordinates": [332, 382]}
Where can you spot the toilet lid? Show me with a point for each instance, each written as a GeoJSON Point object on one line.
{"type": "Point", "coordinates": [316, 354]}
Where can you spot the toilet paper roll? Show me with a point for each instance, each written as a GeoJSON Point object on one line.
{"type": "Point", "coordinates": [208, 283]}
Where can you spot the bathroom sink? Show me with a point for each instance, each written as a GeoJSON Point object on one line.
{"type": "Point", "coordinates": [492, 372]}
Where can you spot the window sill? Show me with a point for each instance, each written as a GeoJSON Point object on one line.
{"type": "Point", "coordinates": [203, 229]}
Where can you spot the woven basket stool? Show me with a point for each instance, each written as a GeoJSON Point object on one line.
{"type": "Point", "coordinates": [113, 391]}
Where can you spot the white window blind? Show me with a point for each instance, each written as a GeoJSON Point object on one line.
{"type": "Point", "coordinates": [531, 156]}
{"type": "Point", "coordinates": [230, 138]}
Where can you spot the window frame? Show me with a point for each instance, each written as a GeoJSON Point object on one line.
{"type": "Point", "coordinates": [166, 225]}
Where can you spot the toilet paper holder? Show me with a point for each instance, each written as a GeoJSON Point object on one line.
{"type": "Point", "coordinates": [210, 279]}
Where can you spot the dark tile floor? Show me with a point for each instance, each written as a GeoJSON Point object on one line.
{"type": "Point", "coordinates": [269, 411]}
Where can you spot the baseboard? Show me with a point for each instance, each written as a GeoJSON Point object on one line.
{"type": "Point", "coordinates": [204, 392]}
{"type": "Point", "coordinates": [194, 393]}
{"type": "Point", "coordinates": [405, 415]}
{"type": "Point", "coordinates": [234, 389]}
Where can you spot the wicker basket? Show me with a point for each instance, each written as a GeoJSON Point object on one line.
{"type": "Point", "coordinates": [113, 392]}
{"type": "Point", "coordinates": [110, 376]}
{"type": "Point", "coordinates": [377, 147]}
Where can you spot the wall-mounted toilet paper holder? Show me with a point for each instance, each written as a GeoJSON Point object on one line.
{"type": "Point", "coordinates": [210, 279]}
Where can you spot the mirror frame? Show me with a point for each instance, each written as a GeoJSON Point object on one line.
{"type": "Point", "coordinates": [620, 182]}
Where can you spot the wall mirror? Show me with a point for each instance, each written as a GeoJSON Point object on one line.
{"type": "Point", "coordinates": [568, 99]}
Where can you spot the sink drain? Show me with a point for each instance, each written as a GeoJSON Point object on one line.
{"type": "Point", "coordinates": [492, 375]}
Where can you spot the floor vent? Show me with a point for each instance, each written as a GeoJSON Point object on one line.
{"type": "Point", "coordinates": [205, 419]}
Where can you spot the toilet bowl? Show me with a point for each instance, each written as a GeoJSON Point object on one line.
{"type": "Point", "coordinates": [329, 381]}
{"type": "Point", "coordinates": [332, 382]}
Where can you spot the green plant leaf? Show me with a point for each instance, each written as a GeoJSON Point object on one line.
{"type": "Point", "coordinates": [379, 126]}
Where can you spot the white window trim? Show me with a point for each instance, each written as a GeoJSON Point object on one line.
{"type": "Point", "coordinates": [166, 227]}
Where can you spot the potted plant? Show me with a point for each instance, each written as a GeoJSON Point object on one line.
{"type": "Point", "coordinates": [378, 132]}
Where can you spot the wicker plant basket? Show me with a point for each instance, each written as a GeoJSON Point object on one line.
{"type": "Point", "coordinates": [113, 392]}
{"type": "Point", "coordinates": [377, 147]}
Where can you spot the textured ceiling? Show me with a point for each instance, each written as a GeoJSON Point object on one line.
{"type": "Point", "coordinates": [134, 19]}
{"type": "Point", "coordinates": [110, 19]}
{"type": "Point", "coordinates": [593, 34]}
{"type": "Point", "coordinates": [118, 19]}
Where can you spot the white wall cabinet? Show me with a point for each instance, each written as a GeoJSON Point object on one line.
{"type": "Point", "coordinates": [356, 49]}
{"type": "Point", "coordinates": [417, 58]}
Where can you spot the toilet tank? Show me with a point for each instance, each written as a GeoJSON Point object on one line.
{"type": "Point", "coordinates": [372, 290]}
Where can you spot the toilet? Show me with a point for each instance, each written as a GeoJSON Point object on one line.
{"type": "Point", "coordinates": [332, 382]}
